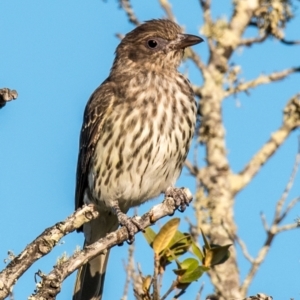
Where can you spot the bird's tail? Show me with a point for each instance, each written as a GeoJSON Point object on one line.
{"type": "Point", "coordinates": [90, 277]}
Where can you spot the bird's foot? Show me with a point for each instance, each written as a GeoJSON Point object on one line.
{"type": "Point", "coordinates": [182, 200]}
{"type": "Point", "coordinates": [129, 223]}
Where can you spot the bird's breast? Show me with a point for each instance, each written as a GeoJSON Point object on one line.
{"type": "Point", "coordinates": [144, 141]}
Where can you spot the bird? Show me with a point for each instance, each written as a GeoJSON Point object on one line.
{"type": "Point", "coordinates": [136, 133]}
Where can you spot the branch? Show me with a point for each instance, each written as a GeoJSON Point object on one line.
{"type": "Point", "coordinates": [7, 95]}
{"type": "Point", "coordinates": [244, 249]}
{"type": "Point", "coordinates": [262, 79]}
{"type": "Point", "coordinates": [193, 169]}
{"type": "Point", "coordinates": [41, 246]}
{"type": "Point", "coordinates": [129, 270]}
{"type": "Point", "coordinates": [250, 41]}
{"type": "Point", "coordinates": [274, 229]}
{"type": "Point", "coordinates": [279, 214]}
{"type": "Point", "coordinates": [291, 120]}
{"type": "Point", "coordinates": [50, 284]}
{"type": "Point", "coordinates": [166, 6]}
{"type": "Point", "coordinates": [286, 42]}
{"type": "Point", "coordinates": [126, 5]}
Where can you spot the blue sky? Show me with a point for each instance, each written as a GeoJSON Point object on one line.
{"type": "Point", "coordinates": [55, 53]}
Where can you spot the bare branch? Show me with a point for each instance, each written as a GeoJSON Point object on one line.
{"type": "Point", "coordinates": [262, 79]}
{"type": "Point", "coordinates": [279, 215]}
{"type": "Point", "coordinates": [7, 95]}
{"type": "Point", "coordinates": [250, 41]}
{"type": "Point", "coordinates": [291, 120]}
{"type": "Point", "coordinates": [195, 58]}
{"type": "Point", "coordinates": [205, 5]}
{"type": "Point", "coordinates": [192, 168]}
{"type": "Point", "coordinates": [41, 246]}
{"type": "Point", "coordinates": [166, 6]}
{"type": "Point", "coordinates": [50, 284]}
{"type": "Point", "coordinates": [264, 222]}
{"type": "Point", "coordinates": [169, 291]}
{"type": "Point", "coordinates": [274, 229]}
{"type": "Point", "coordinates": [129, 269]}
{"type": "Point", "coordinates": [286, 42]}
{"type": "Point", "coordinates": [244, 249]}
{"type": "Point", "coordinates": [287, 227]}
{"type": "Point", "coordinates": [126, 5]}
{"type": "Point", "coordinates": [289, 207]}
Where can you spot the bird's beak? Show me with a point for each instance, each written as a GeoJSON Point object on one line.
{"type": "Point", "coordinates": [187, 40]}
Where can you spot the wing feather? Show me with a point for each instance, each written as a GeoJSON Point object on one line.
{"type": "Point", "coordinates": [94, 116]}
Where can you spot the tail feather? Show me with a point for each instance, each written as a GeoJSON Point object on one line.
{"type": "Point", "coordinates": [90, 277]}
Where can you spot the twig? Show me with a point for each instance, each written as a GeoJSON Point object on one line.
{"type": "Point", "coordinates": [274, 229]}
{"type": "Point", "coordinates": [287, 227]}
{"type": "Point", "coordinates": [250, 41]}
{"type": "Point", "coordinates": [244, 249]}
{"type": "Point", "coordinates": [7, 95]}
{"type": "Point", "coordinates": [129, 268]}
{"type": "Point", "coordinates": [279, 215]}
{"type": "Point", "coordinates": [192, 168]}
{"type": "Point", "coordinates": [126, 5]}
{"type": "Point", "coordinates": [262, 79]}
{"type": "Point", "coordinates": [169, 291]}
{"type": "Point", "coordinates": [284, 41]}
{"type": "Point", "coordinates": [41, 246]}
{"type": "Point", "coordinates": [166, 6]}
{"type": "Point", "coordinates": [156, 294]}
{"type": "Point", "coordinates": [195, 58]}
{"type": "Point", "coordinates": [50, 284]}
{"type": "Point", "coordinates": [291, 121]}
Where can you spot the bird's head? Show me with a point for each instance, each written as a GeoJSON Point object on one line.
{"type": "Point", "coordinates": [155, 44]}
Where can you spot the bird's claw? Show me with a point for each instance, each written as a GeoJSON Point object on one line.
{"type": "Point", "coordinates": [180, 197]}
{"type": "Point", "coordinates": [130, 224]}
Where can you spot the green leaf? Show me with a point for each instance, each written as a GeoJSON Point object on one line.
{"type": "Point", "coordinates": [165, 235]}
{"type": "Point", "coordinates": [196, 250]}
{"type": "Point", "coordinates": [206, 243]}
{"type": "Point", "coordinates": [179, 272]}
{"type": "Point", "coordinates": [179, 245]}
{"type": "Point", "coordinates": [189, 264]}
{"type": "Point", "coordinates": [149, 234]}
{"type": "Point", "coordinates": [216, 255]}
{"type": "Point", "coordinates": [194, 275]}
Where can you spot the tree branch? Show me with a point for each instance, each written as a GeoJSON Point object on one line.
{"type": "Point", "coordinates": [166, 6]}
{"type": "Point", "coordinates": [250, 41]}
{"type": "Point", "coordinates": [274, 229]}
{"type": "Point", "coordinates": [262, 79]}
{"type": "Point", "coordinates": [7, 95]}
{"type": "Point", "coordinates": [126, 5]}
{"type": "Point", "coordinates": [286, 42]}
{"type": "Point", "coordinates": [279, 214]}
{"type": "Point", "coordinates": [50, 284]}
{"type": "Point", "coordinates": [291, 120]}
{"type": "Point", "coordinates": [41, 246]}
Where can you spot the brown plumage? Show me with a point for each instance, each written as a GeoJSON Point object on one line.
{"type": "Point", "coordinates": [135, 136]}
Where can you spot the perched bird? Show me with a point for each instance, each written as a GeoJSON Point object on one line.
{"type": "Point", "coordinates": [136, 133]}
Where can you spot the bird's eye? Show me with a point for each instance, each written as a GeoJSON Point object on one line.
{"type": "Point", "coordinates": [152, 44]}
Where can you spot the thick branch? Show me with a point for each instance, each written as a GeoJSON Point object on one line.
{"type": "Point", "coordinates": [7, 95]}
{"type": "Point", "coordinates": [262, 79]}
{"type": "Point", "coordinates": [41, 246]}
{"type": "Point", "coordinates": [291, 121]}
{"type": "Point", "coordinates": [50, 284]}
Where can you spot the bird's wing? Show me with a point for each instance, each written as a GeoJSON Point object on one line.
{"type": "Point", "coordinates": [96, 109]}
